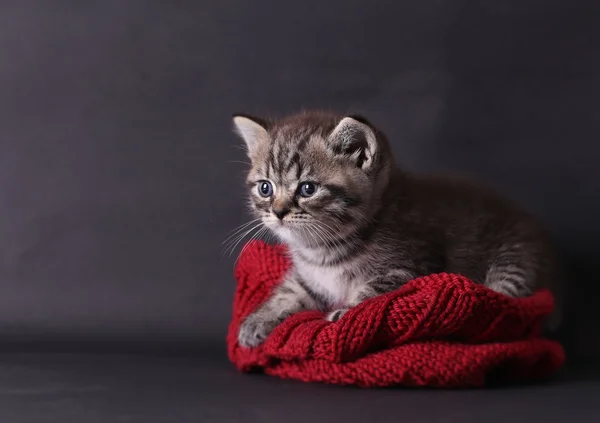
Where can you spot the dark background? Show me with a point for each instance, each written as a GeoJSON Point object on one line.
{"type": "Point", "coordinates": [118, 173]}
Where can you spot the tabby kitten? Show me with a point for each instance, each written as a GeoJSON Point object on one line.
{"type": "Point", "coordinates": [357, 227]}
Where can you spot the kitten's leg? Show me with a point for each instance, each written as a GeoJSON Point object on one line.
{"type": "Point", "coordinates": [511, 275]}
{"type": "Point", "coordinates": [382, 284]}
{"type": "Point", "coordinates": [289, 297]}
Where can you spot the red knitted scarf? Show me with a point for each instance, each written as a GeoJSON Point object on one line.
{"type": "Point", "coordinates": [440, 330]}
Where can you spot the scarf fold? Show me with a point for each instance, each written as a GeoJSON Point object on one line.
{"type": "Point", "coordinates": [441, 330]}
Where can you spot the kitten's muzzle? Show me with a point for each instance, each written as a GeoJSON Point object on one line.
{"type": "Point", "coordinates": [281, 212]}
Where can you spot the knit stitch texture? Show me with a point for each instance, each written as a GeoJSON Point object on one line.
{"type": "Point", "coordinates": [441, 330]}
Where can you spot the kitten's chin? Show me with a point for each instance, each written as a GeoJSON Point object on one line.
{"type": "Point", "coordinates": [285, 234]}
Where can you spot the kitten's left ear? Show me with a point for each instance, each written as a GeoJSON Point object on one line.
{"type": "Point", "coordinates": [252, 130]}
{"type": "Point", "coordinates": [354, 137]}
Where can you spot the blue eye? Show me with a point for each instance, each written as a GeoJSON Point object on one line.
{"type": "Point", "coordinates": [265, 189]}
{"type": "Point", "coordinates": [308, 189]}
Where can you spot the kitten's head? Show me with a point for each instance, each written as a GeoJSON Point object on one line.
{"type": "Point", "coordinates": [314, 175]}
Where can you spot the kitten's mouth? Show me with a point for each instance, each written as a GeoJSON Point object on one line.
{"type": "Point", "coordinates": [277, 223]}
{"type": "Point", "coordinates": [284, 225]}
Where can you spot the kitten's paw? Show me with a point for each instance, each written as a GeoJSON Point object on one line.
{"type": "Point", "coordinates": [509, 289]}
{"type": "Point", "coordinates": [254, 330]}
{"type": "Point", "coordinates": [336, 315]}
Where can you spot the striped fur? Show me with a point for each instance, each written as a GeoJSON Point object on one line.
{"type": "Point", "coordinates": [369, 227]}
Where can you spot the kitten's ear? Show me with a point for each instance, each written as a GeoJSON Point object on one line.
{"type": "Point", "coordinates": [252, 130]}
{"type": "Point", "coordinates": [354, 137]}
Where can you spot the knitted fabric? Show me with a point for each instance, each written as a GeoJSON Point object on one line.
{"type": "Point", "coordinates": [440, 330]}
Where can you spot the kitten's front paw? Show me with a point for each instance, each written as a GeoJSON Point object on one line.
{"type": "Point", "coordinates": [510, 289]}
{"type": "Point", "coordinates": [336, 315]}
{"type": "Point", "coordinates": [254, 330]}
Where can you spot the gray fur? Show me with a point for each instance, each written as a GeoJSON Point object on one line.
{"type": "Point", "coordinates": [370, 227]}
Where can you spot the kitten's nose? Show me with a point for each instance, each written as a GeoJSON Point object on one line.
{"type": "Point", "coordinates": [280, 213]}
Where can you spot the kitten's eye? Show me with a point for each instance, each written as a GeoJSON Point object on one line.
{"type": "Point", "coordinates": [265, 189]}
{"type": "Point", "coordinates": [307, 189]}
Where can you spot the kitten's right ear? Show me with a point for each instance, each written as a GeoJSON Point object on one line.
{"type": "Point", "coordinates": [252, 130]}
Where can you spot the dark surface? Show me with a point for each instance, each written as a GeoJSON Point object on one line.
{"type": "Point", "coordinates": [94, 388]}
{"type": "Point", "coordinates": [119, 179]}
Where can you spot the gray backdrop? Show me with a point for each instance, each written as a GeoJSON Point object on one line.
{"type": "Point", "coordinates": [118, 173]}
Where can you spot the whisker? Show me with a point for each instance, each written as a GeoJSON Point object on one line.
{"type": "Point", "coordinates": [309, 233]}
{"type": "Point", "coordinates": [366, 219]}
{"type": "Point", "coordinates": [239, 147]}
{"type": "Point", "coordinates": [271, 238]}
{"type": "Point", "coordinates": [235, 241]}
{"type": "Point", "coordinates": [331, 233]}
{"type": "Point", "coordinates": [255, 236]}
{"type": "Point", "coordinates": [245, 224]}
{"type": "Point", "coordinates": [315, 232]}
{"type": "Point", "coordinates": [329, 236]}
{"type": "Point", "coordinates": [240, 228]}
{"type": "Point", "coordinates": [323, 236]}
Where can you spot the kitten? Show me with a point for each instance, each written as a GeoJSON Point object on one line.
{"type": "Point", "coordinates": [357, 227]}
